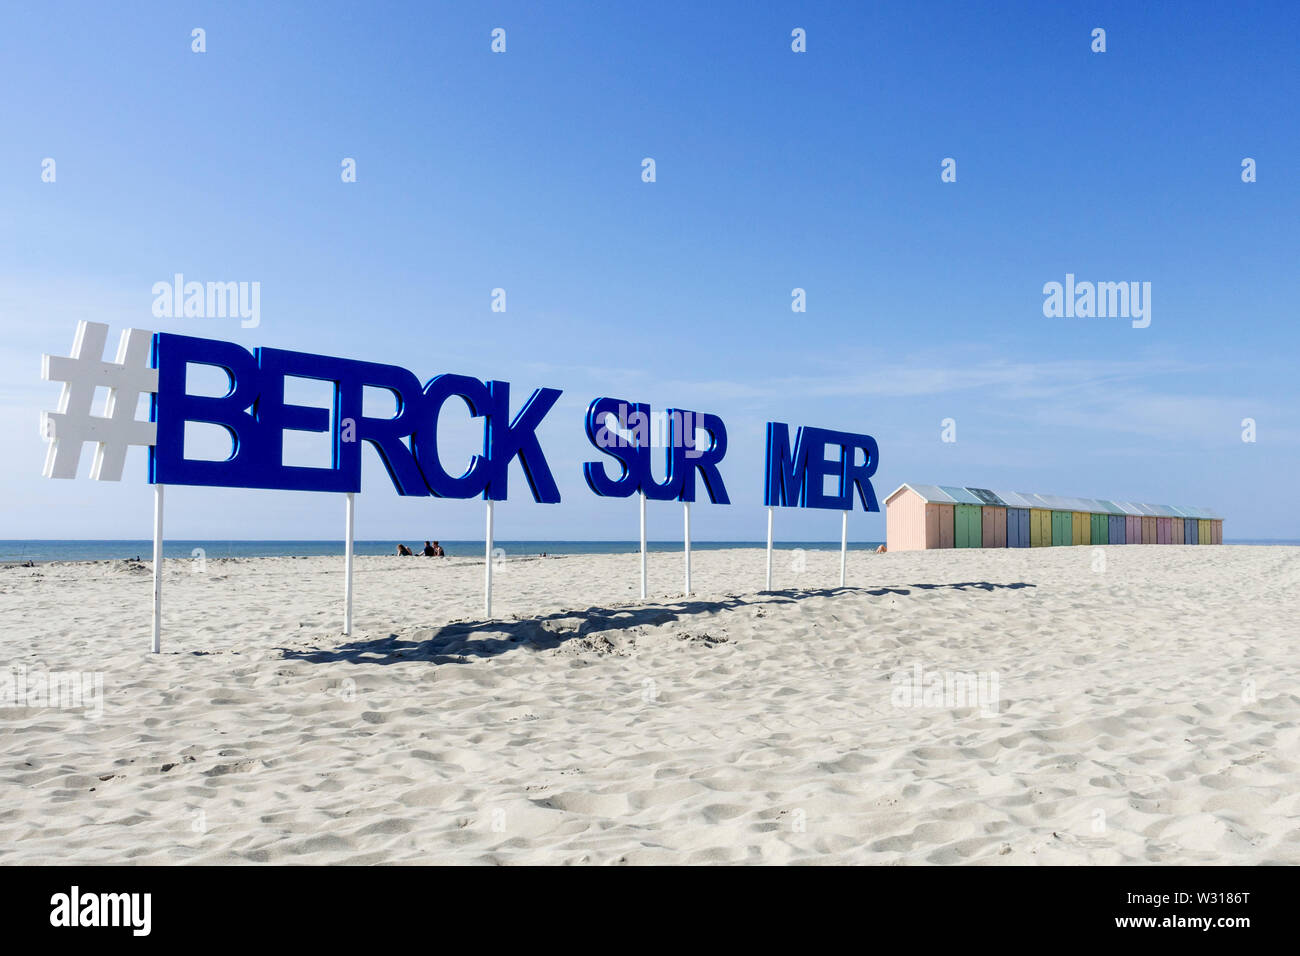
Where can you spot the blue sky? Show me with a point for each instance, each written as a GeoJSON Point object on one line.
{"type": "Point", "coordinates": [775, 170]}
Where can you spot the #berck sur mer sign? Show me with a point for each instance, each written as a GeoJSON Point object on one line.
{"type": "Point", "coordinates": [256, 414]}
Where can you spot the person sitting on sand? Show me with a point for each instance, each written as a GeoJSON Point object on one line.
{"type": "Point", "coordinates": [428, 550]}
{"type": "Point", "coordinates": [404, 550]}
{"type": "Point", "coordinates": [437, 550]}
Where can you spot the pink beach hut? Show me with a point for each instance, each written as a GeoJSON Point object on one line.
{"type": "Point", "coordinates": [1177, 526]}
{"type": "Point", "coordinates": [918, 518]}
{"type": "Point", "coordinates": [993, 518]}
{"type": "Point", "coordinates": [1165, 523]}
{"type": "Point", "coordinates": [1148, 523]}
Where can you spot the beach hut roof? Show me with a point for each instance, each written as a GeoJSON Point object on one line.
{"type": "Point", "coordinates": [952, 494]}
{"type": "Point", "coordinates": [1035, 501]}
{"type": "Point", "coordinates": [987, 497]}
{"type": "Point", "coordinates": [1058, 503]}
{"type": "Point", "coordinates": [929, 493]}
{"type": "Point", "coordinates": [1015, 499]}
{"type": "Point", "coordinates": [960, 495]}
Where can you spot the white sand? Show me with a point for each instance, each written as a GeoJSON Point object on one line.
{"type": "Point", "coordinates": [1148, 712]}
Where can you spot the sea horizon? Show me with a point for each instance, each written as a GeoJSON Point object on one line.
{"type": "Point", "coordinates": [48, 550]}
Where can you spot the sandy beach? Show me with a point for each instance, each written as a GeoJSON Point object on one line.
{"type": "Point", "coordinates": [1135, 705]}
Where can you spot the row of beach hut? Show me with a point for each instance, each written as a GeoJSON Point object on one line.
{"type": "Point", "coordinates": [921, 517]}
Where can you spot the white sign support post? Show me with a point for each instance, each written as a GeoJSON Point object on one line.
{"type": "Point", "coordinates": [686, 511]}
{"type": "Point", "coordinates": [350, 525]}
{"type": "Point", "coordinates": [770, 510]}
{"type": "Point", "coordinates": [157, 567]}
{"type": "Point", "coordinates": [487, 566]}
{"type": "Point", "coordinates": [643, 589]}
{"type": "Point", "coordinates": [844, 548]}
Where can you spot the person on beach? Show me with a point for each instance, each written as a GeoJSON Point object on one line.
{"type": "Point", "coordinates": [405, 551]}
{"type": "Point", "coordinates": [437, 550]}
{"type": "Point", "coordinates": [429, 552]}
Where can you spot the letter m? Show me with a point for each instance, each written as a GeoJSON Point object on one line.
{"type": "Point", "coordinates": [1112, 300]}
{"type": "Point", "coordinates": [223, 300]}
{"type": "Point", "coordinates": [115, 909]}
{"type": "Point", "coordinates": [785, 467]}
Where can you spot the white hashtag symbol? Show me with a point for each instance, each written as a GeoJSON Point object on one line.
{"type": "Point", "coordinates": [73, 424]}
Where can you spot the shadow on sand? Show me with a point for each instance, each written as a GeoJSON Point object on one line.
{"type": "Point", "coordinates": [459, 641]}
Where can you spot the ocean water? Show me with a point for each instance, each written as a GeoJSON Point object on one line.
{"type": "Point", "coordinates": [16, 552]}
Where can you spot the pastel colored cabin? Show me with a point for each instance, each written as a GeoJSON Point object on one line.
{"type": "Point", "coordinates": [1062, 512]}
{"type": "Point", "coordinates": [993, 518]}
{"type": "Point", "coordinates": [994, 526]}
{"type": "Point", "coordinates": [1082, 530]}
{"type": "Point", "coordinates": [968, 523]}
{"type": "Point", "coordinates": [918, 518]}
{"type": "Point", "coordinates": [1098, 531]}
{"type": "Point", "coordinates": [1161, 526]}
{"type": "Point", "coordinates": [1100, 528]}
{"type": "Point", "coordinates": [968, 528]}
{"type": "Point", "coordinates": [1164, 524]}
{"type": "Point", "coordinates": [1018, 508]}
{"type": "Point", "coordinates": [1149, 528]}
{"type": "Point", "coordinates": [1062, 528]}
{"type": "Point", "coordinates": [1208, 526]}
{"type": "Point", "coordinates": [1177, 527]}
{"type": "Point", "coordinates": [1132, 523]}
{"type": "Point", "coordinates": [1114, 521]}
{"type": "Point", "coordinates": [922, 517]}
{"type": "Point", "coordinates": [1040, 522]}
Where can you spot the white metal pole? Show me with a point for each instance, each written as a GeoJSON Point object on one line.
{"type": "Point", "coordinates": [844, 547]}
{"type": "Point", "coordinates": [686, 511]}
{"type": "Point", "coordinates": [643, 589]}
{"type": "Point", "coordinates": [157, 567]}
{"type": "Point", "coordinates": [350, 526]}
{"type": "Point", "coordinates": [487, 573]}
{"type": "Point", "coordinates": [769, 548]}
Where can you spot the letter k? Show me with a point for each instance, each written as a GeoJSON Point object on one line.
{"type": "Point", "coordinates": [519, 438]}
